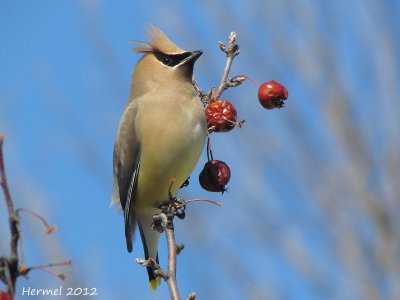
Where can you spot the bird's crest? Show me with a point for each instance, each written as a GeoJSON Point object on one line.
{"type": "Point", "coordinates": [158, 42]}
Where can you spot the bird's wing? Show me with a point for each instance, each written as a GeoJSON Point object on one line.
{"type": "Point", "coordinates": [126, 167]}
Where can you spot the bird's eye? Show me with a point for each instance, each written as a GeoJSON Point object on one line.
{"type": "Point", "coordinates": [166, 60]}
{"type": "Point", "coordinates": [171, 60]}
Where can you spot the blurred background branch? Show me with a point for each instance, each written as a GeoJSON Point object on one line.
{"type": "Point", "coordinates": [10, 271]}
{"type": "Point", "coordinates": [13, 266]}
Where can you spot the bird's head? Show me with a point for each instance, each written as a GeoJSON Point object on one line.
{"type": "Point", "coordinates": [162, 61]}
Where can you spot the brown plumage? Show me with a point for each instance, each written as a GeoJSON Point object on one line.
{"type": "Point", "coordinates": [158, 42]}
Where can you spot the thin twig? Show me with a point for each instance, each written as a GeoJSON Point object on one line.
{"type": "Point", "coordinates": [204, 97]}
{"type": "Point", "coordinates": [231, 52]}
{"type": "Point", "coordinates": [222, 84]}
{"type": "Point", "coordinates": [243, 77]}
{"type": "Point", "coordinates": [170, 235]}
{"type": "Point", "coordinates": [52, 265]}
{"type": "Point", "coordinates": [9, 283]}
{"type": "Point", "coordinates": [58, 275]}
{"type": "Point", "coordinates": [46, 267]}
{"type": "Point", "coordinates": [203, 200]}
{"type": "Point", "coordinates": [154, 265]}
{"type": "Point", "coordinates": [49, 228]}
{"type": "Point", "coordinates": [197, 88]}
{"type": "Point", "coordinates": [238, 124]}
{"type": "Point", "coordinates": [13, 224]}
{"type": "Point", "coordinates": [22, 249]}
{"type": "Point", "coordinates": [12, 263]}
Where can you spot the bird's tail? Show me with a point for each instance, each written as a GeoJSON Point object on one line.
{"type": "Point", "coordinates": [154, 281]}
{"type": "Point", "coordinates": [150, 239]}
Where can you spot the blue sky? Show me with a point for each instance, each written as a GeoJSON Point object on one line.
{"type": "Point", "coordinates": [296, 173]}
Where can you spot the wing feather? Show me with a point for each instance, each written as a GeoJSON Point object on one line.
{"type": "Point", "coordinates": [126, 168]}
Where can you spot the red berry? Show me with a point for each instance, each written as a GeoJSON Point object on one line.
{"type": "Point", "coordinates": [272, 94]}
{"type": "Point", "coordinates": [4, 295]}
{"type": "Point", "coordinates": [221, 115]}
{"type": "Point", "coordinates": [215, 176]}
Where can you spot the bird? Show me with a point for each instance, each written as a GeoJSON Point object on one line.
{"type": "Point", "coordinates": [159, 139]}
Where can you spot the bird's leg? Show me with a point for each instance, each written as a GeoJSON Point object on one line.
{"type": "Point", "coordinates": [180, 207]}
{"type": "Point", "coordinates": [186, 183]}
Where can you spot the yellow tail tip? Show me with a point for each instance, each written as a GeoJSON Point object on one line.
{"type": "Point", "coordinates": [154, 283]}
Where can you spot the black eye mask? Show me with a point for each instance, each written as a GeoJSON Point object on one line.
{"type": "Point", "coordinates": [171, 60]}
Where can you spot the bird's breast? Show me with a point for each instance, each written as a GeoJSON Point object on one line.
{"type": "Point", "coordinates": [172, 135]}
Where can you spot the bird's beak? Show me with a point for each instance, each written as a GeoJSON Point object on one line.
{"type": "Point", "coordinates": [194, 55]}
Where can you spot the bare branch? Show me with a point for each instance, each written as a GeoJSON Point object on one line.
{"type": "Point", "coordinates": [49, 228]}
{"type": "Point", "coordinates": [204, 200]}
{"type": "Point", "coordinates": [204, 97]}
{"type": "Point", "coordinates": [170, 235]}
{"type": "Point", "coordinates": [158, 271]}
{"type": "Point", "coordinates": [46, 268]}
{"type": "Point", "coordinates": [168, 225]}
{"type": "Point", "coordinates": [13, 224]}
{"type": "Point", "coordinates": [231, 52]}
{"type": "Point", "coordinates": [11, 267]}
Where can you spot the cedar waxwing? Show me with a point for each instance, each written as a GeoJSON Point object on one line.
{"type": "Point", "coordinates": [160, 137]}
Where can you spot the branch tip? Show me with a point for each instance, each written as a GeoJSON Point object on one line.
{"type": "Point", "coordinates": [179, 248]}
{"type": "Point", "coordinates": [232, 38]}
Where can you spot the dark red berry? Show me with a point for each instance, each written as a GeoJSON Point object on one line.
{"type": "Point", "coordinates": [221, 116]}
{"type": "Point", "coordinates": [215, 176]}
{"type": "Point", "coordinates": [272, 94]}
{"type": "Point", "coordinates": [4, 295]}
